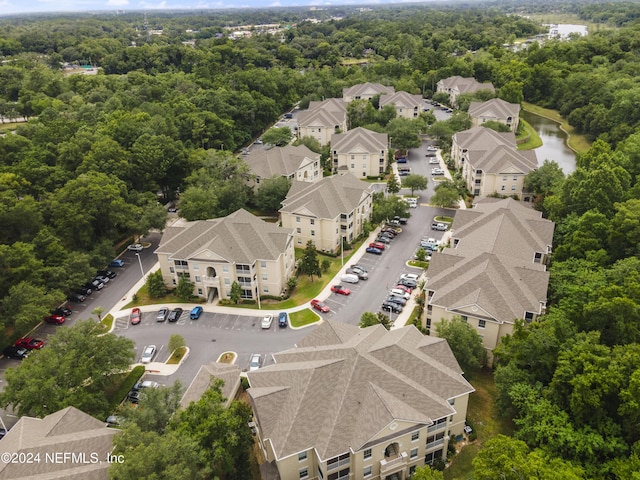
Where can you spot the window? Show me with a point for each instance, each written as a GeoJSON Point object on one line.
{"type": "Point", "coordinates": [181, 264]}
{"type": "Point", "coordinates": [353, 165]}
{"type": "Point", "coordinates": [195, 266]}
{"type": "Point", "coordinates": [243, 268]}
{"type": "Point", "coordinates": [464, 318]}
{"type": "Point", "coordinates": [341, 475]}
{"type": "Point", "coordinates": [304, 472]}
{"type": "Point", "coordinates": [264, 276]}
{"type": "Point", "coordinates": [413, 453]}
{"type": "Point", "coordinates": [364, 164]}
{"type": "Point", "coordinates": [415, 436]}
{"type": "Point", "coordinates": [298, 230]}
{"type": "Point", "coordinates": [366, 471]}
{"type": "Point", "coordinates": [171, 269]}
{"type": "Point", "coordinates": [515, 179]}
{"type": "Point", "coordinates": [225, 268]}
{"type": "Point", "coordinates": [528, 316]}
{"type": "Point", "coordinates": [247, 294]}
{"type": "Point", "coordinates": [313, 233]}
{"type": "Point", "coordinates": [513, 188]}
{"type": "Point", "coordinates": [299, 241]}
{"type": "Point", "coordinates": [504, 179]}
{"type": "Point", "coordinates": [312, 221]}
{"type": "Point", "coordinates": [297, 219]}
{"type": "Point", "coordinates": [197, 279]}
{"type": "Point", "coordinates": [502, 188]}
{"type": "Point", "coordinates": [482, 323]}
{"type": "Point", "coordinates": [302, 456]}
{"type": "Point", "coordinates": [227, 281]}
{"type": "Point", "coordinates": [367, 453]}
{"type": "Point", "coordinates": [263, 264]}
{"type": "Point", "coordinates": [338, 461]}
{"type": "Point", "coordinates": [199, 291]}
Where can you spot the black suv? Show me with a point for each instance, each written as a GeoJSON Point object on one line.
{"type": "Point", "coordinates": [17, 353]}
{"type": "Point", "coordinates": [175, 314]}
{"type": "Point", "coordinates": [107, 273]}
{"type": "Point", "coordinates": [65, 311]}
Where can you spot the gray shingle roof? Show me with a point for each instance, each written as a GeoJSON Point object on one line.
{"type": "Point", "coordinates": [359, 140]}
{"type": "Point", "coordinates": [465, 84]}
{"type": "Point", "coordinates": [366, 89]}
{"type": "Point", "coordinates": [495, 152]}
{"type": "Point", "coordinates": [501, 287]}
{"type": "Point", "coordinates": [401, 99]}
{"type": "Point", "coordinates": [496, 107]}
{"type": "Point", "coordinates": [341, 385]}
{"type": "Point", "coordinates": [205, 377]}
{"type": "Point", "coordinates": [68, 430]}
{"type": "Point", "coordinates": [503, 227]}
{"type": "Point", "coordinates": [240, 237]}
{"type": "Point", "coordinates": [328, 197]}
{"type": "Point", "coordinates": [280, 161]}
{"type": "Point", "coordinates": [327, 113]}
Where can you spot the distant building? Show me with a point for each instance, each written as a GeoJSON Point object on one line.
{"type": "Point", "coordinates": [294, 163]}
{"type": "Point", "coordinates": [213, 254]}
{"type": "Point", "coordinates": [360, 151]}
{"type": "Point", "coordinates": [326, 211]}
{"type": "Point", "coordinates": [352, 403]}
{"type": "Point", "coordinates": [406, 105]}
{"type": "Point", "coordinates": [323, 119]}
{"type": "Point", "coordinates": [365, 91]}
{"type": "Point", "coordinates": [496, 110]}
{"type": "Point", "coordinates": [563, 31]}
{"type": "Point", "coordinates": [454, 86]}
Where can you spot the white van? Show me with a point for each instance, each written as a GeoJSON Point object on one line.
{"type": "Point", "coordinates": [349, 278]}
{"type": "Point", "coordinates": [399, 293]}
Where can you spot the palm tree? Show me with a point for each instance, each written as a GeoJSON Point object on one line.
{"type": "Point", "coordinates": [98, 311]}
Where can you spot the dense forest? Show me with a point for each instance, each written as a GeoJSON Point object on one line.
{"type": "Point", "coordinates": [101, 154]}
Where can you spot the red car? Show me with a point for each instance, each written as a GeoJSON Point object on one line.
{"type": "Point", "coordinates": [135, 316]}
{"type": "Point", "coordinates": [378, 245]}
{"type": "Point", "coordinates": [54, 319]}
{"type": "Point", "coordinates": [318, 305]}
{"type": "Point", "coordinates": [404, 287]}
{"type": "Point", "coordinates": [341, 290]}
{"type": "Point", "coordinates": [29, 343]}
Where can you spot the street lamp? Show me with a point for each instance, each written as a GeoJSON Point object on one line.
{"type": "Point", "coordinates": [140, 263]}
{"type": "Point", "coordinates": [342, 248]}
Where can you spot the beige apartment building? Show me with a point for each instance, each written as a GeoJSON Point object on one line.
{"type": "Point", "coordinates": [323, 119]}
{"type": "Point", "coordinates": [495, 271]}
{"type": "Point", "coordinates": [455, 85]}
{"type": "Point", "coordinates": [490, 161]}
{"type": "Point", "coordinates": [406, 105]}
{"type": "Point", "coordinates": [352, 403]}
{"type": "Point", "coordinates": [365, 91]}
{"type": "Point", "coordinates": [327, 211]}
{"type": "Point", "coordinates": [294, 163]}
{"type": "Point", "coordinates": [496, 110]}
{"type": "Point", "coordinates": [213, 254]}
{"type": "Point", "coordinates": [361, 152]}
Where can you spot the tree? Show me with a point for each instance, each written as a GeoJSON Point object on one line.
{"type": "Point", "coordinates": [98, 311]}
{"type": "Point", "coordinates": [311, 143]}
{"type": "Point", "coordinates": [427, 473]}
{"type": "Point", "coordinates": [392, 185]}
{"type": "Point", "coordinates": [415, 182]}
{"type": "Point", "coordinates": [271, 193]}
{"type": "Point", "coordinates": [184, 289]}
{"type": "Point", "coordinates": [446, 195]}
{"type": "Point", "coordinates": [421, 255]}
{"type": "Point", "coordinates": [385, 208]}
{"type": "Point", "coordinates": [325, 264]}
{"type": "Point", "coordinates": [155, 285]}
{"type": "Point", "coordinates": [404, 132]}
{"type": "Point", "coordinates": [73, 370]}
{"type": "Point", "coordinates": [465, 343]}
{"type": "Point", "coordinates": [309, 263]}
{"type": "Point", "coordinates": [278, 136]}
{"type": "Point", "coordinates": [545, 179]}
{"type": "Point", "coordinates": [369, 318]}
{"type": "Point", "coordinates": [156, 407]}
{"type": "Point", "coordinates": [236, 292]}
{"type": "Point", "coordinates": [292, 283]}
{"type": "Point", "coordinates": [175, 342]}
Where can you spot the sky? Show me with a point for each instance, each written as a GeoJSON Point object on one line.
{"type": "Point", "coordinates": [9, 7]}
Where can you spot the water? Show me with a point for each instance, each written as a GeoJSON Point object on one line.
{"type": "Point", "coordinates": [554, 146]}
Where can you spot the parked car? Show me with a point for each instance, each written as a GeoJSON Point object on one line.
{"type": "Point", "coordinates": [394, 299]}
{"type": "Point", "coordinates": [431, 154]}
{"type": "Point", "coordinates": [391, 307]}
{"type": "Point", "coordinates": [116, 263]}
{"type": "Point", "coordinates": [283, 319]}
{"type": "Point", "coordinates": [400, 220]}
{"type": "Point", "coordinates": [407, 282]}
{"type": "Point", "coordinates": [349, 278]}
{"type": "Point", "coordinates": [54, 319]}
{"type": "Point", "coordinates": [404, 288]}
{"type": "Point", "coordinates": [266, 321]}
{"type": "Point", "coordinates": [437, 171]}
{"type": "Point", "coordinates": [64, 310]}
{"type": "Point", "coordinates": [16, 353]}
{"type": "Point", "coordinates": [86, 291]}
{"type": "Point", "coordinates": [195, 312]}
{"type": "Point", "coordinates": [361, 275]}
{"type": "Point", "coordinates": [379, 245]}
{"type": "Point", "coordinates": [434, 161]}
{"type": "Point", "coordinates": [391, 231]}
{"type": "Point", "coordinates": [29, 343]}
{"type": "Point", "coordinates": [76, 297]}
{"type": "Point", "coordinates": [107, 273]}
{"type": "Point", "coordinates": [148, 353]}
{"type": "Point", "coordinates": [398, 292]}
{"type": "Point", "coordinates": [441, 227]}
{"type": "Point", "coordinates": [102, 278]}
{"type": "Point", "coordinates": [134, 394]}
{"type": "Point", "coordinates": [431, 148]}
{"type": "Point", "coordinates": [136, 316]}
{"type": "Point", "coordinates": [135, 247]}
{"type": "Point", "coordinates": [340, 290]}
{"type": "Point", "coordinates": [114, 421]}
{"type": "Point", "coordinates": [162, 314]}
{"type": "Point", "coordinates": [95, 285]}
{"type": "Point", "coordinates": [383, 239]}
{"type": "Point", "coordinates": [256, 361]}
{"type": "Point", "coordinates": [318, 305]}
{"type": "Point", "coordinates": [175, 314]}
{"type": "Point", "coordinates": [375, 251]}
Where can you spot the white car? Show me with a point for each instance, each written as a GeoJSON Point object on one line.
{"type": "Point", "coordinates": [410, 276]}
{"type": "Point", "coordinates": [431, 148]}
{"type": "Point", "coordinates": [437, 171]}
{"type": "Point", "coordinates": [266, 321]}
{"type": "Point", "coordinates": [148, 354]}
{"type": "Point", "coordinates": [434, 161]}
{"type": "Point", "coordinates": [135, 247]}
{"type": "Point", "coordinates": [256, 361]}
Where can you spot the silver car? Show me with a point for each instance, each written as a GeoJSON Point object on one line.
{"type": "Point", "coordinates": [148, 354]}
{"type": "Point", "coordinates": [256, 361]}
{"type": "Point", "coordinates": [162, 315]}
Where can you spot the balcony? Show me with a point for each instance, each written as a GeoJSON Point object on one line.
{"type": "Point", "coordinates": [214, 281]}
{"type": "Point", "coordinates": [435, 443]}
{"type": "Point", "coordinates": [393, 463]}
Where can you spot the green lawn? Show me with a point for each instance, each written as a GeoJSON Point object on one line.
{"type": "Point", "coordinates": [303, 317]}
{"type": "Point", "coordinates": [534, 140]}
{"type": "Point", "coordinates": [483, 416]}
{"type": "Point", "coordinates": [142, 298]}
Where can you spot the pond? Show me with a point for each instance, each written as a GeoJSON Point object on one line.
{"type": "Point", "coordinates": [554, 142]}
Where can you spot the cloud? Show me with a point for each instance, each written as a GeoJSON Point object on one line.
{"type": "Point", "coordinates": [117, 3]}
